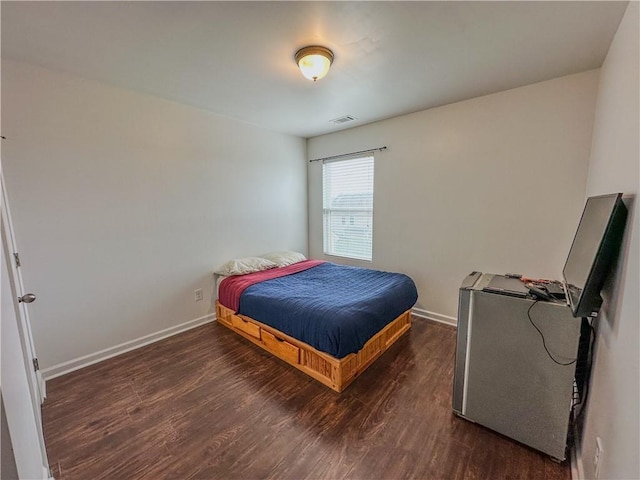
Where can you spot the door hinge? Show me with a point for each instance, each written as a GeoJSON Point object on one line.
{"type": "Point", "coordinates": [36, 365]}
{"type": "Point", "coordinates": [16, 256]}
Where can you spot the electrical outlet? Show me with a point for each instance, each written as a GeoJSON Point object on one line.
{"type": "Point", "coordinates": [597, 458]}
{"type": "Point", "coordinates": [198, 294]}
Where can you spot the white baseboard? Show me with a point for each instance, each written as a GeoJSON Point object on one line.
{"type": "Point", "coordinates": [86, 360]}
{"type": "Point", "coordinates": [436, 317]}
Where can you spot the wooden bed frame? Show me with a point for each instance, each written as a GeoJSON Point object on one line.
{"type": "Point", "coordinates": [333, 372]}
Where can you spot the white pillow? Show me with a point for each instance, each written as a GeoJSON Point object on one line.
{"type": "Point", "coordinates": [242, 266]}
{"type": "Point", "coordinates": [282, 259]}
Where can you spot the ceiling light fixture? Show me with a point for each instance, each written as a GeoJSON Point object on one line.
{"type": "Point", "coordinates": [314, 61]}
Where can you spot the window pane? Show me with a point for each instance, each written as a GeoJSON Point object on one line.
{"type": "Point", "coordinates": [347, 189]}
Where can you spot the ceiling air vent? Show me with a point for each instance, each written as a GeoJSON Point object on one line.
{"type": "Point", "coordinates": [341, 120]}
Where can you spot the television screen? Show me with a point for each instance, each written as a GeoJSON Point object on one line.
{"type": "Point", "coordinates": [594, 249]}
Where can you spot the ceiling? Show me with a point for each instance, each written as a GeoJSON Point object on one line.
{"type": "Point", "coordinates": [236, 58]}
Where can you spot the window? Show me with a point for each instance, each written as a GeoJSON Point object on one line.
{"type": "Point", "coordinates": [347, 191]}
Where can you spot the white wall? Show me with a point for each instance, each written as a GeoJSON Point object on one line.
{"type": "Point", "coordinates": [614, 400]}
{"type": "Point", "coordinates": [124, 203]}
{"type": "Point", "coordinates": [494, 184]}
{"type": "Point", "coordinates": [8, 468]}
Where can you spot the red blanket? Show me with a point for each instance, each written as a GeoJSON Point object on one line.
{"type": "Point", "coordinates": [232, 287]}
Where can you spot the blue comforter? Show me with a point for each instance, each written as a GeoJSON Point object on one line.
{"type": "Point", "coordinates": [334, 308]}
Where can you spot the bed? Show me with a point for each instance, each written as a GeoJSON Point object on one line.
{"type": "Point", "coordinates": [329, 321]}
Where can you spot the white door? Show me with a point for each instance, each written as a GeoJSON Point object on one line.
{"type": "Point", "coordinates": [15, 278]}
{"type": "Point", "coordinates": [22, 390]}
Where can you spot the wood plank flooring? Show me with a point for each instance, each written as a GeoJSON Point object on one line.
{"type": "Point", "coordinates": [206, 404]}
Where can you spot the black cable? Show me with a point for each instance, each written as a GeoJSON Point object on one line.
{"type": "Point", "coordinates": [592, 339]}
{"type": "Point", "coordinates": [576, 418]}
{"type": "Point", "coordinates": [544, 343]}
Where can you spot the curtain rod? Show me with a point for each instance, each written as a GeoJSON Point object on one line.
{"type": "Point", "coordinates": [378, 149]}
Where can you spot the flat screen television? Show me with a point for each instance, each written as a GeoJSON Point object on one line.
{"type": "Point", "coordinates": [594, 249]}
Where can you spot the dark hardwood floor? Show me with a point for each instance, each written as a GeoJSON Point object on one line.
{"type": "Point", "coordinates": [206, 404]}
